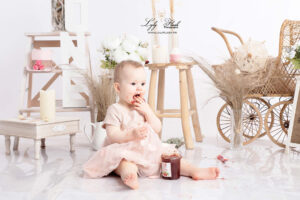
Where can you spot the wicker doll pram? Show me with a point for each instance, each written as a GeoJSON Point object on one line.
{"type": "Point", "coordinates": [267, 109]}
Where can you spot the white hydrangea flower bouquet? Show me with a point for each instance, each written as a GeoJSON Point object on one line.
{"type": "Point", "coordinates": [125, 47]}
{"type": "Point", "coordinates": [294, 55]}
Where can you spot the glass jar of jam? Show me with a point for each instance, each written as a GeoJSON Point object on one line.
{"type": "Point", "coordinates": [170, 166]}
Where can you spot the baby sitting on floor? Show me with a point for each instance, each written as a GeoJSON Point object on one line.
{"type": "Point", "coordinates": [132, 147]}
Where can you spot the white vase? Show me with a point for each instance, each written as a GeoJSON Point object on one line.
{"type": "Point", "coordinates": [98, 135]}
{"type": "Point", "coordinates": [58, 15]}
{"type": "Point", "coordinates": [236, 140]}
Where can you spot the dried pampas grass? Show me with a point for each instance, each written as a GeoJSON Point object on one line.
{"type": "Point", "coordinates": [234, 83]}
{"type": "Point", "coordinates": [102, 91]}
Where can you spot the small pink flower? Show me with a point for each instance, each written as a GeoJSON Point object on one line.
{"type": "Point", "coordinates": [38, 65]}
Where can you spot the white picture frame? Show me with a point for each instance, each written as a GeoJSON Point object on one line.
{"type": "Point", "coordinates": [294, 126]}
{"type": "Point", "coordinates": [72, 72]}
{"type": "Point", "coordinates": [71, 92]}
{"type": "Point", "coordinates": [76, 15]}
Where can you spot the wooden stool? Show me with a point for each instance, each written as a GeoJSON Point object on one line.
{"type": "Point", "coordinates": [187, 94]}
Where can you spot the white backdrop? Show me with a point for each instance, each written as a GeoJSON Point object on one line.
{"type": "Point", "coordinates": [258, 19]}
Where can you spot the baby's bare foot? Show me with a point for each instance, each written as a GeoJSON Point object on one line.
{"type": "Point", "coordinates": [131, 180]}
{"type": "Point", "coordinates": [205, 173]}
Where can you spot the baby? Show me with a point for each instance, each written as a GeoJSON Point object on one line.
{"type": "Point", "coordinates": [133, 147]}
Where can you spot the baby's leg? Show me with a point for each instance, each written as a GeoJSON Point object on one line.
{"type": "Point", "coordinates": [187, 169]}
{"type": "Point", "coordinates": [128, 173]}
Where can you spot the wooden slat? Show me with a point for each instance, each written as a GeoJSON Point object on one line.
{"type": "Point", "coordinates": [189, 144]}
{"type": "Point", "coordinates": [46, 86]}
{"type": "Point", "coordinates": [193, 106]}
{"type": "Point", "coordinates": [58, 109]}
{"type": "Point", "coordinates": [56, 33]}
{"type": "Point", "coordinates": [152, 89]}
{"type": "Point", "coordinates": [49, 43]}
{"type": "Point", "coordinates": [161, 95]}
{"type": "Point", "coordinates": [43, 71]}
{"type": "Point", "coordinates": [165, 65]}
{"type": "Point", "coordinates": [172, 113]}
{"type": "Point", "coordinates": [29, 90]}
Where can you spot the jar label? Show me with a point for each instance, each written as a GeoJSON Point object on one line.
{"type": "Point", "coordinates": [166, 169]}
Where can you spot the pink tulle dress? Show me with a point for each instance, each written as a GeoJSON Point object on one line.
{"type": "Point", "coordinates": [146, 153]}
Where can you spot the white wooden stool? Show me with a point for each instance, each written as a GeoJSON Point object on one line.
{"type": "Point", "coordinates": [187, 95]}
{"type": "Point", "coordinates": [38, 130]}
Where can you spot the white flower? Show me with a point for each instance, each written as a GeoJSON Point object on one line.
{"type": "Point", "coordinates": [288, 49]}
{"type": "Point", "coordinates": [129, 46]}
{"type": "Point", "coordinates": [119, 55]}
{"type": "Point", "coordinates": [143, 52]}
{"type": "Point", "coordinates": [122, 48]}
{"type": "Point", "coordinates": [251, 56]}
{"type": "Point", "coordinates": [111, 42]}
{"type": "Point", "coordinates": [144, 44]}
{"type": "Point", "coordinates": [292, 54]}
{"type": "Point", "coordinates": [132, 39]}
{"type": "Point", "coordinates": [135, 57]}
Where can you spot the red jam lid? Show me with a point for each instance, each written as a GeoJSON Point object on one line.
{"type": "Point", "coordinates": [172, 156]}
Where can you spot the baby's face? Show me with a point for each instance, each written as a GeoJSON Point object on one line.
{"type": "Point", "coordinates": [132, 84]}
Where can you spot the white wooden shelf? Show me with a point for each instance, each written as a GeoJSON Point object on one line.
{"type": "Point", "coordinates": [58, 109]}
{"type": "Point", "coordinates": [51, 34]}
{"type": "Point", "coordinates": [29, 101]}
{"type": "Point", "coordinates": [43, 71]}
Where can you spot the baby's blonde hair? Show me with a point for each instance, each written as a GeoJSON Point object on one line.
{"type": "Point", "coordinates": [122, 65]}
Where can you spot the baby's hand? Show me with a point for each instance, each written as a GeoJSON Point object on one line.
{"type": "Point", "coordinates": [141, 106]}
{"type": "Point", "coordinates": [141, 132]}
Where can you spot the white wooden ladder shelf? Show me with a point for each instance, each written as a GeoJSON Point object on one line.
{"type": "Point", "coordinates": [75, 58]}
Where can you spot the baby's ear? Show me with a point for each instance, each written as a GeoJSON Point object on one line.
{"type": "Point", "coordinates": [117, 87]}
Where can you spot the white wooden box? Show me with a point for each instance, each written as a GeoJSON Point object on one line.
{"type": "Point", "coordinates": [38, 130]}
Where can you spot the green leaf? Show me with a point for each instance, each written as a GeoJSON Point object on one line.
{"type": "Point", "coordinates": [296, 63]}
{"type": "Point", "coordinates": [108, 64]}
{"type": "Point", "coordinates": [179, 142]}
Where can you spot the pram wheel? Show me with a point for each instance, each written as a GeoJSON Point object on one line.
{"type": "Point", "coordinates": [282, 114]}
{"type": "Point", "coordinates": [252, 122]}
{"type": "Point", "coordinates": [263, 107]}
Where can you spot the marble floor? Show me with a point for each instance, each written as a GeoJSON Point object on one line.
{"type": "Point", "coordinates": [260, 171]}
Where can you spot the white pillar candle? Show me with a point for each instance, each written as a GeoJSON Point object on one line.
{"type": "Point", "coordinates": [173, 42]}
{"type": "Point", "coordinates": [47, 105]}
{"type": "Point", "coordinates": [160, 54]}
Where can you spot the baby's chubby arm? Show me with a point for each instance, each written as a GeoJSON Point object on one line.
{"type": "Point", "coordinates": [144, 108]}
{"type": "Point", "coordinates": [116, 135]}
